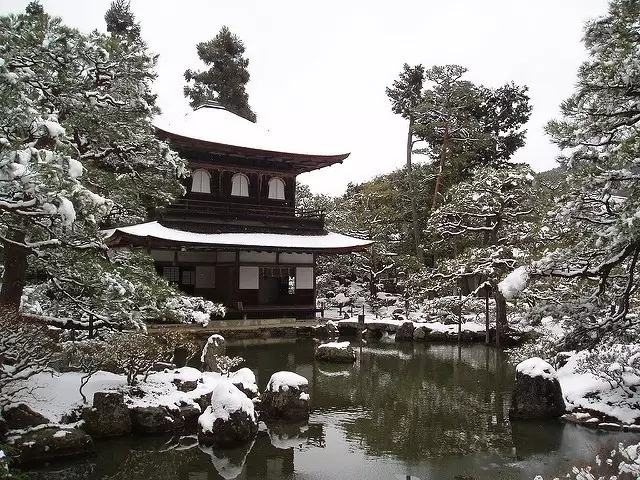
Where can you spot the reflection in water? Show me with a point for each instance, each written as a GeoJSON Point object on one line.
{"type": "Point", "coordinates": [431, 411]}
{"type": "Point", "coordinates": [228, 463]}
{"type": "Point", "coordinates": [287, 435]}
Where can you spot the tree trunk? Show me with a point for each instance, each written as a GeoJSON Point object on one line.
{"type": "Point", "coordinates": [501, 313]}
{"type": "Point", "coordinates": [443, 157]}
{"type": "Point", "coordinates": [412, 194]}
{"type": "Point", "coordinates": [486, 312]}
{"type": "Point", "coordinates": [15, 270]}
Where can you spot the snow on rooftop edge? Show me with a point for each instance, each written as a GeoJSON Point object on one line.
{"type": "Point", "coordinates": [218, 125]}
{"type": "Point", "coordinates": [278, 240]}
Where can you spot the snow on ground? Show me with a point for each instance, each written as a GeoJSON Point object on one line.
{"type": "Point", "coordinates": [58, 395]}
{"type": "Point", "coordinates": [281, 381]}
{"type": "Point", "coordinates": [585, 390]}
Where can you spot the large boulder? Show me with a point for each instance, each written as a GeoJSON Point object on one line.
{"type": "Point", "coordinates": [404, 333]}
{"type": "Point", "coordinates": [156, 419]}
{"type": "Point", "coordinates": [214, 348]}
{"type": "Point", "coordinates": [21, 416]}
{"type": "Point", "coordinates": [230, 420]}
{"type": "Point", "coordinates": [286, 397]}
{"type": "Point", "coordinates": [38, 446]}
{"type": "Point", "coordinates": [245, 380]}
{"type": "Point", "coordinates": [186, 379]}
{"type": "Point", "coordinates": [190, 413]}
{"type": "Point", "coordinates": [421, 332]}
{"type": "Point", "coordinates": [109, 416]}
{"type": "Point", "coordinates": [337, 352]}
{"type": "Point", "coordinates": [537, 393]}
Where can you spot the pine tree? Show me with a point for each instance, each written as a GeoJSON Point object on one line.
{"type": "Point", "coordinates": [466, 126]}
{"type": "Point", "coordinates": [484, 229]}
{"type": "Point", "coordinates": [120, 20]}
{"type": "Point", "coordinates": [598, 135]}
{"type": "Point", "coordinates": [226, 79]}
{"type": "Point", "coordinates": [34, 8]}
{"type": "Point", "coordinates": [406, 96]}
{"type": "Point", "coordinates": [77, 148]}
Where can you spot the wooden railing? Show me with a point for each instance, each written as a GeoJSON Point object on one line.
{"type": "Point", "coordinates": [206, 207]}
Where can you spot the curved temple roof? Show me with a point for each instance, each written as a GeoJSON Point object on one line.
{"type": "Point", "coordinates": [155, 234]}
{"type": "Point", "coordinates": [215, 129]}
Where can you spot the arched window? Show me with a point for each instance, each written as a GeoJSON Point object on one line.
{"type": "Point", "coordinates": [201, 181]}
{"type": "Point", "coordinates": [276, 188]}
{"type": "Point", "coordinates": [240, 185]}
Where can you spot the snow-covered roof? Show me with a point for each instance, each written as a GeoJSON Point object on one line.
{"type": "Point", "coordinates": [146, 233]}
{"type": "Point", "coordinates": [219, 130]}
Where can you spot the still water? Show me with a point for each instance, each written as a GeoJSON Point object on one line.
{"type": "Point", "coordinates": [427, 411]}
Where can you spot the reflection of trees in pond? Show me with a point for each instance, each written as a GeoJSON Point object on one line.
{"type": "Point", "coordinates": [418, 404]}
{"type": "Point", "coordinates": [174, 459]}
{"type": "Point", "coordinates": [532, 437]}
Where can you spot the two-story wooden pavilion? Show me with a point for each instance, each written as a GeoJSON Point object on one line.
{"type": "Point", "coordinates": [236, 237]}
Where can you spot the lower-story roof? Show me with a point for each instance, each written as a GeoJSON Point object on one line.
{"type": "Point", "coordinates": [153, 234]}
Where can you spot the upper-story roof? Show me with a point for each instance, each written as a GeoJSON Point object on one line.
{"type": "Point", "coordinates": [213, 129]}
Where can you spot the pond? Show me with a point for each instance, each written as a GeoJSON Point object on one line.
{"type": "Point", "coordinates": [402, 410]}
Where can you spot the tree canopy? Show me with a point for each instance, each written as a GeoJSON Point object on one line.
{"type": "Point", "coordinates": [226, 78]}
{"type": "Point", "coordinates": [598, 135]}
{"type": "Point", "coordinates": [77, 148]}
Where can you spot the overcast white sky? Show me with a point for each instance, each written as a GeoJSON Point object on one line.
{"type": "Point", "coordinates": [319, 69]}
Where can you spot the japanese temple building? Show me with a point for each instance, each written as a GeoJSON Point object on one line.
{"type": "Point", "coordinates": [236, 236]}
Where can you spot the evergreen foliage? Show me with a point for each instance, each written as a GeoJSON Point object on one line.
{"type": "Point", "coordinates": [34, 8]}
{"type": "Point", "coordinates": [601, 153]}
{"type": "Point", "coordinates": [77, 152]}
{"type": "Point", "coordinates": [120, 20]}
{"type": "Point", "coordinates": [226, 78]}
{"type": "Point", "coordinates": [406, 92]}
{"type": "Point", "coordinates": [465, 126]}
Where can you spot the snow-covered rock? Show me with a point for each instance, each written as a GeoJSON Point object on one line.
{"type": "Point", "coordinates": [42, 445]}
{"type": "Point", "coordinates": [22, 416]}
{"type": "Point", "coordinates": [286, 397]}
{"type": "Point", "coordinates": [230, 420]}
{"type": "Point", "coordinates": [156, 419]}
{"type": "Point", "coordinates": [109, 416]}
{"type": "Point", "coordinates": [245, 380]}
{"type": "Point", "coordinates": [537, 393]}
{"type": "Point", "coordinates": [339, 352]}
{"type": "Point", "coordinates": [405, 332]}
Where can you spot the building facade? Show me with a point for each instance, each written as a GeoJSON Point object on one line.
{"type": "Point", "coordinates": [236, 236]}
